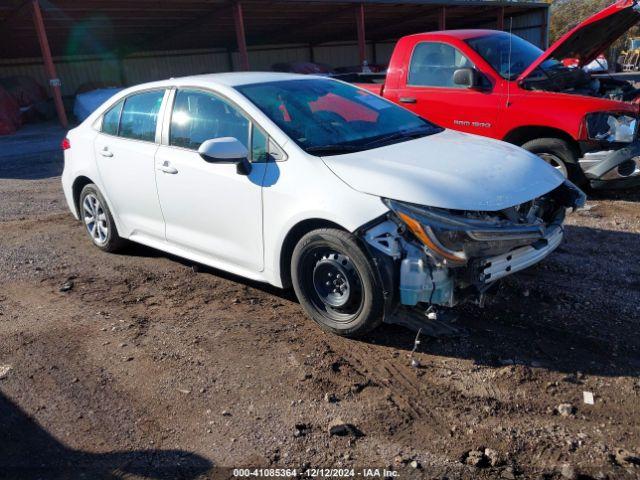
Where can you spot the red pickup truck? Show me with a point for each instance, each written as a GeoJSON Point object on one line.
{"type": "Point", "coordinates": [498, 85]}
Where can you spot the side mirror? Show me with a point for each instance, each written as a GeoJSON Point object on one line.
{"type": "Point", "coordinates": [466, 77]}
{"type": "Point", "coordinates": [226, 150]}
{"type": "Point", "coordinates": [223, 150]}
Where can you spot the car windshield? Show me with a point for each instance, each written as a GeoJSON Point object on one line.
{"type": "Point", "coordinates": [326, 117]}
{"type": "Point", "coordinates": [509, 54]}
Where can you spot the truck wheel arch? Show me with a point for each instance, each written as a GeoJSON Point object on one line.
{"type": "Point", "coordinates": [521, 135]}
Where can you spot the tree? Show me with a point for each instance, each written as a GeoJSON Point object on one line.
{"type": "Point", "coordinates": [566, 14]}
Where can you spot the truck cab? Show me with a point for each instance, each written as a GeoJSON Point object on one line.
{"type": "Point", "coordinates": [496, 84]}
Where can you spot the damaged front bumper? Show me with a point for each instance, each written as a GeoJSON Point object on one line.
{"type": "Point", "coordinates": [500, 266]}
{"type": "Point", "coordinates": [437, 257]}
{"type": "Point", "coordinates": [613, 168]}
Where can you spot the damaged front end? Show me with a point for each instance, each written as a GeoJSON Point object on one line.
{"type": "Point", "coordinates": [575, 81]}
{"type": "Point", "coordinates": [445, 257]}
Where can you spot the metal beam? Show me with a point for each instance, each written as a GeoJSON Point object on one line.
{"type": "Point", "coordinates": [545, 28]}
{"type": "Point", "coordinates": [500, 19]}
{"type": "Point", "coordinates": [362, 42]}
{"type": "Point", "coordinates": [50, 68]}
{"type": "Point", "coordinates": [241, 40]}
{"type": "Point", "coordinates": [462, 3]}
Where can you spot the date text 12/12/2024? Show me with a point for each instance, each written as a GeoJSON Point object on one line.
{"type": "Point", "coordinates": [315, 472]}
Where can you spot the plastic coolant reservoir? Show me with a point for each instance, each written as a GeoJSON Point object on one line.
{"type": "Point", "coordinates": [413, 280]}
{"type": "Point", "coordinates": [418, 283]}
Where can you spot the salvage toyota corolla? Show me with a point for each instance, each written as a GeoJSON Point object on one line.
{"type": "Point", "coordinates": [357, 203]}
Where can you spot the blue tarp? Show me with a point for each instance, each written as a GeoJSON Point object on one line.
{"type": "Point", "coordinates": [87, 103]}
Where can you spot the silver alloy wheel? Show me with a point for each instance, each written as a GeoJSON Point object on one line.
{"type": "Point", "coordinates": [95, 219]}
{"type": "Point", "coordinates": [555, 162]}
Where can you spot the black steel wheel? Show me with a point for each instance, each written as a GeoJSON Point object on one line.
{"type": "Point", "coordinates": [336, 282]}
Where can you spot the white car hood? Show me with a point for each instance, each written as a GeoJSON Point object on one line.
{"type": "Point", "coordinates": [450, 170]}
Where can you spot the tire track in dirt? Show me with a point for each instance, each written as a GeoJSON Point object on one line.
{"type": "Point", "coordinates": [403, 386]}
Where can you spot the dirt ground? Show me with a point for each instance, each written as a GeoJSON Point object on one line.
{"type": "Point", "coordinates": [148, 366]}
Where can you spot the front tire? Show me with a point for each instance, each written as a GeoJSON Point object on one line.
{"type": "Point", "coordinates": [559, 154]}
{"type": "Point", "coordinates": [336, 283]}
{"type": "Point", "coordinates": [98, 221]}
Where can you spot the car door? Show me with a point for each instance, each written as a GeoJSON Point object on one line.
{"type": "Point", "coordinates": [125, 150]}
{"type": "Point", "coordinates": [210, 209]}
{"type": "Point", "coordinates": [428, 89]}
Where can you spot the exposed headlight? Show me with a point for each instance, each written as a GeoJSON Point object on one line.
{"type": "Point", "coordinates": [450, 237]}
{"type": "Point", "coordinates": [611, 127]}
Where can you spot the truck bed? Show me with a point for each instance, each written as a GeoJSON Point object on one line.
{"type": "Point", "coordinates": [374, 82]}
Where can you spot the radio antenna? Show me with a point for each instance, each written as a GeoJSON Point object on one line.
{"type": "Point", "coordinates": [510, 53]}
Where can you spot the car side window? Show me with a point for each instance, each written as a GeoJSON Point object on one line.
{"type": "Point", "coordinates": [111, 119]}
{"type": "Point", "coordinates": [433, 65]}
{"type": "Point", "coordinates": [140, 116]}
{"type": "Point", "coordinates": [198, 116]}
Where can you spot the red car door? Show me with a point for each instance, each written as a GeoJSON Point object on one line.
{"type": "Point", "coordinates": [429, 90]}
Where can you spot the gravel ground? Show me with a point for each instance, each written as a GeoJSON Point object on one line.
{"type": "Point", "coordinates": [142, 365]}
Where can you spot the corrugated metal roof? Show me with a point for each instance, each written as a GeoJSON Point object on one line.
{"type": "Point", "coordinates": [122, 27]}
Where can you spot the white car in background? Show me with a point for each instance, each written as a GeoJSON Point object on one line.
{"type": "Point", "coordinates": [356, 202]}
{"type": "Point", "coordinates": [599, 65]}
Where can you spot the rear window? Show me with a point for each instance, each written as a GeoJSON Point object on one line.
{"type": "Point", "coordinates": [140, 116]}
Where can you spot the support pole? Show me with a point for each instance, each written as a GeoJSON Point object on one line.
{"type": "Point", "coordinates": [241, 40]}
{"type": "Point", "coordinates": [442, 18]}
{"type": "Point", "coordinates": [500, 20]}
{"type": "Point", "coordinates": [362, 44]}
{"type": "Point", "coordinates": [50, 68]}
{"type": "Point", "coordinates": [545, 28]}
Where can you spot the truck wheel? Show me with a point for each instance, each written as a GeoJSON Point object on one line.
{"type": "Point", "coordinates": [560, 155]}
{"type": "Point", "coordinates": [336, 283]}
{"type": "Point", "coordinates": [98, 221]}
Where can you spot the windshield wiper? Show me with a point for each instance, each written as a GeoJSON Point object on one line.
{"type": "Point", "coordinates": [402, 135]}
{"type": "Point", "coordinates": [333, 149]}
{"type": "Point", "coordinates": [337, 149]}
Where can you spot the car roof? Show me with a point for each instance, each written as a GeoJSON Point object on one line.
{"type": "Point", "coordinates": [230, 79]}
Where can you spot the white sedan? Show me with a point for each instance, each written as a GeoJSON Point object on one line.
{"type": "Point", "coordinates": [309, 182]}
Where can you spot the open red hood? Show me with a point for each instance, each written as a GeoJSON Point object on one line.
{"type": "Point", "coordinates": [593, 36]}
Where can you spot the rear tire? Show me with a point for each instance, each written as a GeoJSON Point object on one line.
{"type": "Point", "coordinates": [560, 155]}
{"type": "Point", "coordinates": [336, 283]}
{"type": "Point", "coordinates": [98, 221]}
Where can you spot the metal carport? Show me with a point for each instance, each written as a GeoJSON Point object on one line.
{"type": "Point", "coordinates": [56, 29]}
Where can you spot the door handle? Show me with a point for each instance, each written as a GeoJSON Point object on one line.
{"type": "Point", "coordinates": [105, 152]}
{"type": "Point", "coordinates": [408, 100]}
{"type": "Point", "coordinates": [167, 168]}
